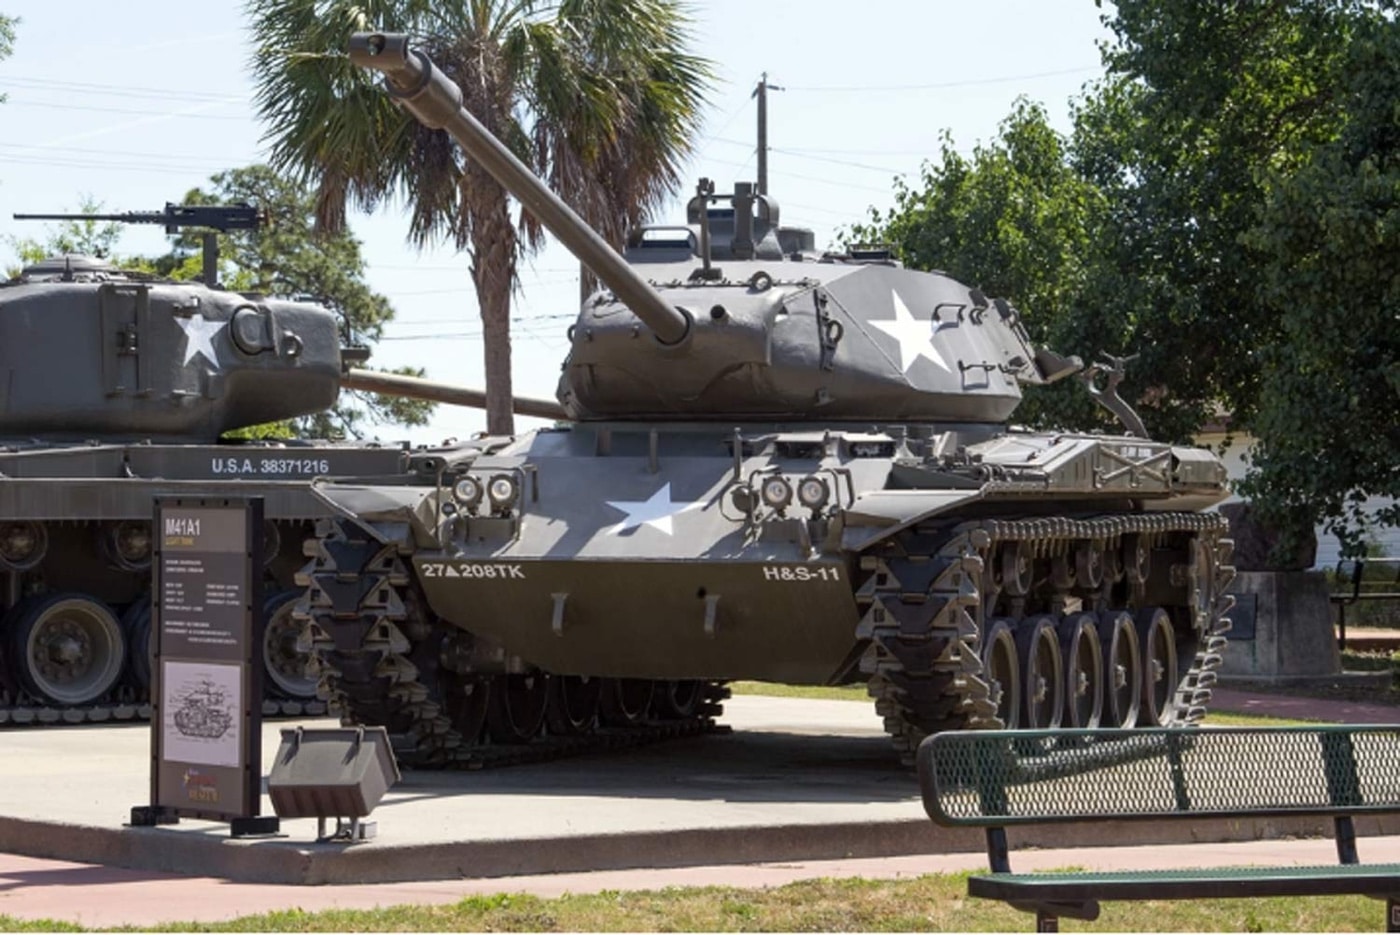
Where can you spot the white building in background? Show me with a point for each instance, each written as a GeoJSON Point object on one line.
{"type": "Point", "coordinates": [1387, 538]}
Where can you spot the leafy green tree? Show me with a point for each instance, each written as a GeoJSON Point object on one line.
{"type": "Point", "coordinates": [1201, 98]}
{"type": "Point", "coordinates": [599, 97]}
{"type": "Point", "coordinates": [1329, 418]}
{"type": "Point", "coordinates": [7, 38]}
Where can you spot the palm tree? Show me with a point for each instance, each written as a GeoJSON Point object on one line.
{"type": "Point", "coordinates": [600, 97]}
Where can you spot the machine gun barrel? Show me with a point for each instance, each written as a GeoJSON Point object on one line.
{"type": "Point", "coordinates": [412, 79]}
{"type": "Point", "coordinates": [222, 218]}
{"type": "Point", "coordinates": [393, 384]}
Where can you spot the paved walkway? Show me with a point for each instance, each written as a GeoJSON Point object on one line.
{"type": "Point", "coordinates": [99, 896]}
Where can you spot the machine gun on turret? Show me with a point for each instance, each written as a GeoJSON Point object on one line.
{"type": "Point", "coordinates": [218, 219]}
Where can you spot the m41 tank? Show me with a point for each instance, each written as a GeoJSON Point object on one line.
{"type": "Point", "coordinates": [783, 466]}
{"type": "Point", "coordinates": [116, 388]}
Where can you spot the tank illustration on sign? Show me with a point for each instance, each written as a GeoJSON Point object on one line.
{"type": "Point", "coordinates": [203, 712]}
{"type": "Point", "coordinates": [117, 388]}
{"type": "Point", "coordinates": [783, 465]}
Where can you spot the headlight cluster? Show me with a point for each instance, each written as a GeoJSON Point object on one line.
{"type": "Point", "coordinates": [501, 490]}
{"type": "Point", "coordinates": [777, 493]}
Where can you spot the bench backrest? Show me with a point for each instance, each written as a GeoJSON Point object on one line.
{"type": "Point", "coordinates": [997, 778]}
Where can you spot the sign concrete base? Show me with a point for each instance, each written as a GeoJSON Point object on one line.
{"type": "Point", "coordinates": [1290, 635]}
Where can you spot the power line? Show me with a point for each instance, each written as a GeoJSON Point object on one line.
{"type": "Point", "coordinates": [970, 82]}
{"type": "Point", "coordinates": [838, 162]}
{"type": "Point", "coordinates": [46, 84]}
{"type": "Point", "coordinates": [21, 102]}
{"type": "Point", "coordinates": [27, 147]}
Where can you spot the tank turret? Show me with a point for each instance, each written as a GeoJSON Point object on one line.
{"type": "Point", "coordinates": [747, 321]}
{"type": "Point", "coordinates": [95, 352]}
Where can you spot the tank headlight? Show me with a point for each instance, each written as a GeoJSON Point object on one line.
{"type": "Point", "coordinates": [812, 492]}
{"type": "Point", "coordinates": [777, 492]}
{"type": "Point", "coordinates": [467, 491]}
{"type": "Point", "coordinates": [502, 491]}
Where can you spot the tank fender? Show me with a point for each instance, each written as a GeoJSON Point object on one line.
{"type": "Point", "coordinates": [389, 514]}
{"type": "Point", "coordinates": [879, 514]}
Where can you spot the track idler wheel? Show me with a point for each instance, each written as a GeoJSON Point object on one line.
{"type": "Point", "coordinates": [285, 672]}
{"type": "Point", "coordinates": [1042, 672]}
{"type": "Point", "coordinates": [67, 648]}
{"type": "Point", "coordinates": [1157, 641]}
{"type": "Point", "coordinates": [625, 701]}
{"type": "Point", "coordinates": [573, 704]}
{"type": "Point", "coordinates": [678, 699]}
{"type": "Point", "coordinates": [1001, 667]}
{"type": "Point", "coordinates": [1122, 669]}
{"type": "Point", "coordinates": [1083, 658]}
{"type": "Point", "coordinates": [516, 709]}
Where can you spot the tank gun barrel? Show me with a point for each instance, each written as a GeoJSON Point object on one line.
{"type": "Point", "coordinates": [413, 80]}
{"type": "Point", "coordinates": [394, 384]}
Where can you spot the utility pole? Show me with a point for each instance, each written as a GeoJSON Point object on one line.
{"type": "Point", "coordinates": [761, 92]}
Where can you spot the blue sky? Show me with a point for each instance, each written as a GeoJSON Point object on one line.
{"type": "Point", "coordinates": [135, 103]}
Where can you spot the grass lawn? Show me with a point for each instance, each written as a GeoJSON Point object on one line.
{"type": "Point", "coordinates": [928, 903]}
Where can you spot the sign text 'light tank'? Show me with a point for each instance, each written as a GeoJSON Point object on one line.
{"type": "Point", "coordinates": [784, 466]}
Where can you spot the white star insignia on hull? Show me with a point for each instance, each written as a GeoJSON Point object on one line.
{"type": "Point", "coordinates": [655, 511]}
{"type": "Point", "coordinates": [199, 337]}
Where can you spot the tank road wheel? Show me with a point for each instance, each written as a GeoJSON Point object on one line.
{"type": "Point", "coordinates": [515, 711]}
{"type": "Point", "coordinates": [1137, 558]}
{"type": "Point", "coordinates": [625, 701]}
{"type": "Point", "coordinates": [466, 699]}
{"type": "Point", "coordinates": [1042, 673]}
{"type": "Point", "coordinates": [1083, 658]}
{"type": "Point", "coordinates": [68, 648]}
{"type": "Point", "coordinates": [679, 699]}
{"type": "Point", "coordinates": [1089, 564]}
{"type": "Point", "coordinates": [1015, 569]}
{"type": "Point", "coordinates": [284, 666]}
{"type": "Point", "coordinates": [573, 704]}
{"type": "Point", "coordinates": [1001, 667]}
{"type": "Point", "coordinates": [1159, 667]}
{"type": "Point", "coordinates": [1122, 668]}
{"type": "Point", "coordinates": [140, 645]}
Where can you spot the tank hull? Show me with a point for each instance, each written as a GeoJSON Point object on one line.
{"type": "Point", "coordinates": [660, 555]}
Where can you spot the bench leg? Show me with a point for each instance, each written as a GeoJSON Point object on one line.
{"type": "Point", "coordinates": [1045, 922]}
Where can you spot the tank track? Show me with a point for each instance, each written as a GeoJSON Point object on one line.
{"type": "Point", "coordinates": [925, 604]}
{"type": "Point", "coordinates": [25, 713]}
{"type": "Point", "coordinates": [380, 659]}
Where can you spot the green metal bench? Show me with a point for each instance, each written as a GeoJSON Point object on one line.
{"type": "Point", "coordinates": [995, 779]}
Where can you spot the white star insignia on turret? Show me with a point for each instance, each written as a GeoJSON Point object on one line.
{"type": "Point", "coordinates": [915, 337]}
{"type": "Point", "coordinates": [199, 337]}
{"type": "Point", "coordinates": [655, 511]}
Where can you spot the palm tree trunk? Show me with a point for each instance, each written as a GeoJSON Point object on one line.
{"type": "Point", "coordinates": [493, 250]}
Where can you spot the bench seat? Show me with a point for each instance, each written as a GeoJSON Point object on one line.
{"type": "Point", "coordinates": [1231, 882]}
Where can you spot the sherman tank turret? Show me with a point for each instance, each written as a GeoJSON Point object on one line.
{"type": "Point", "coordinates": [117, 388]}
{"type": "Point", "coordinates": [784, 465]}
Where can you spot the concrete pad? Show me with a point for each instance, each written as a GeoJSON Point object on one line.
{"type": "Point", "coordinates": [797, 779]}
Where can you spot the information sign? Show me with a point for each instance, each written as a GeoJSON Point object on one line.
{"type": "Point", "coordinates": [206, 692]}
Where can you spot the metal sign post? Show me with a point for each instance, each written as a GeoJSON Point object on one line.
{"type": "Point", "coordinates": [206, 685]}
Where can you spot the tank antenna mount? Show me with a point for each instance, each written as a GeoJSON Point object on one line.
{"type": "Point", "coordinates": [1107, 396]}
